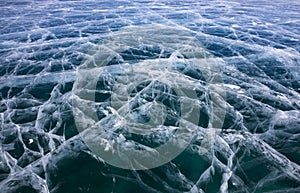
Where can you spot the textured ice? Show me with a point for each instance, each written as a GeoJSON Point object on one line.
{"type": "Point", "coordinates": [255, 44]}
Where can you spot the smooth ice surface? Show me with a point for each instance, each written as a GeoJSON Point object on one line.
{"type": "Point", "coordinates": [255, 44]}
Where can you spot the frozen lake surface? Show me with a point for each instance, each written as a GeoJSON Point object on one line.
{"type": "Point", "coordinates": [238, 63]}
